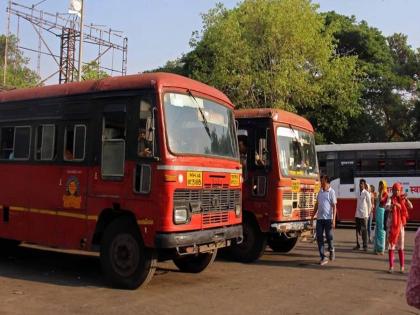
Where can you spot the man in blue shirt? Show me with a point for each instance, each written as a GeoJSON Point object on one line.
{"type": "Point", "coordinates": [325, 211]}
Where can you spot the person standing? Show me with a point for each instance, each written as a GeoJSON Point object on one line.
{"type": "Point", "coordinates": [397, 219]}
{"type": "Point", "coordinates": [325, 211]}
{"type": "Point", "coordinates": [371, 189]}
{"type": "Point", "coordinates": [379, 244]}
{"type": "Point", "coordinates": [364, 205]}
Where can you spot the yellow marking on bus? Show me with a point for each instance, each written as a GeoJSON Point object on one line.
{"type": "Point", "coordinates": [194, 179]}
{"type": "Point", "coordinates": [170, 178]}
{"type": "Point", "coordinates": [295, 186]}
{"type": "Point", "coordinates": [43, 211]}
{"type": "Point", "coordinates": [235, 180]}
{"type": "Point", "coordinates": [92, 217]}
{"type": "Point", "coordinates": [18, 209]}
{"type": "Point", "coordinates": [259, 216]}
{"type": "Point", "coordinates": [145, 222]}
{"type": "Point", "coordinates": [71, 215]}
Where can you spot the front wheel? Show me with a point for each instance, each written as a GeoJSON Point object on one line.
{"type": "Point", "coordinates": [252, 246]}
{"type": "Point", "coordinates": [283, 244]}
{"type": "Point", "coordinates": [125, 261]}
{"type": "Point", "coordinates": [195, 263]}
{"type": "Point", "coordinates": [7, 245]}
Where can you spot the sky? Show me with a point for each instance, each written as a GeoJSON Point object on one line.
{"type": "Point", "coordinates": [160, 30]}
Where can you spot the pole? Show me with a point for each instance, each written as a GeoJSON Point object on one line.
{"type": "Point", "coordinates": [79, 67]}
{"type": "Point", "coordinates": [6, 43]}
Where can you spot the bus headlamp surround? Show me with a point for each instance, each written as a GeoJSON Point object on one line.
{"type": "Point", "coordinates": [238, 210]}
{"type": "Point", "coordinates": [180, 214]}
{"type": "Point", "coordinates": [287, 210]}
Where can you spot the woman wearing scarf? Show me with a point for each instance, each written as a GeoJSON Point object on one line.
{"type": "Point", "coordinates": [379, 247]}
{"type": "Point", "coordinates": [397, 219]}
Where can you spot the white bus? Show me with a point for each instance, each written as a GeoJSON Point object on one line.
{"type": "Point", "coordinates": [393, 162]}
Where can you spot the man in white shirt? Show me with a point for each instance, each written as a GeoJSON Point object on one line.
{"type": "Point", "coordinates": [364, 204]}
{"type": "Point", "coordinates": [326, 212]}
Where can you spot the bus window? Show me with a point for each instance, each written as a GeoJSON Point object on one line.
{"type": "Point", "coordinates": [74, 143]}
{"type": "Point", "coordinates": [146, 134]}
{"type": "Point", "coordinates": [21, 147]}
{"type": "Point", "coordinates": [45, 143]}
{"type": "Point", "coordinates": [261, 148]}
{"type": "Point", "coordinates": [113, 144]}
{"type": "Point", "coordinates": [7, 137]}
{"type": "Point", "coordinates": [346, 175]}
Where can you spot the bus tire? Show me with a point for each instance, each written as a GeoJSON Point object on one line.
{"type": "Point", "coordinates": [7, 245]}
{"type": "Point", "coordinates": [195, 263]}
{"type": "Point", "coordinates": [126, 262]}
{"type": "Point", "coordinates": [253, 243]}
{"type": "Point", "coordinates": [283, 244]}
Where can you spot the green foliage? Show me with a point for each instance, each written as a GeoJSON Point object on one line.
{"type": "Point", "coordinates": [92, 71]}
{"type": "Point", "coordinates": [176, 66]}
{"type": "Point", "coordinates": [276, 54]}
{"type": "Point", "coordinates": [388, 66]}
{"type": "Point", "coordinates": [353, 83]}
{"type": "Point", "coordinates": [18, 75]}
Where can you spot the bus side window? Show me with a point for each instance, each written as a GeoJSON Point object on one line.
{"type": "Point", "coordinates": [74, 143]}
{"type": "Point", "coordinates": [15, 143]}
{"type": "Point", "coordinates": [45, 144]}
{"type": "Point", "coordinates": [146, 130]}
{"type": "Point", "coordinates": [113, 144]}
{"type": "Point", "coordinates": [6, 142]}
{"type": "Point", "coordinates": [243, 151]}
{"type": "Point", "coordinates": [346, 175]}
{"type": "Point", "coordinates": [262, 157]}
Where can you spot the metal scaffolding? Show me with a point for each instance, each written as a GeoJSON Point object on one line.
{"type": "Point", "coordinates": [109, 43]}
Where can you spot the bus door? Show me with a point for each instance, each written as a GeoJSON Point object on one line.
{"type": "Point", "coordinates": [347, 184]}
{"type": "Point", "coordinates": [256, 173]}
{"type": "Point", "coordinates": [46, 188]}
{"type": "Point", "coordinates": [71, 216]}
{"type": "Point", "coordinates": [145, 154]}
{"type": "Point", "coordinates": [346, 192]}
{"type": "Point", "coordinates": [109, 177]}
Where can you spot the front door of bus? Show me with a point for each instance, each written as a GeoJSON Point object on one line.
{"type": "Point", "coordinates": [255, 170]}
{"type": "Point", "coordinates": [71, 223]}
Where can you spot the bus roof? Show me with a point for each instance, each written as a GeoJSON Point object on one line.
{"type": "Point", "coordinates": [129, 82]}
{"type": "Point", "coordinates": [276, 115]}
{"type": "Point", "coordinates": [368, 146]}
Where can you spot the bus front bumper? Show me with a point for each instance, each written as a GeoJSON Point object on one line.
{"type": "Point", "coordinates": [290, 227]}
{"type": "Point", "coordinates": [199, 241]}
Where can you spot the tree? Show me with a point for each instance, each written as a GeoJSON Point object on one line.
{"type": "Point", "coordinates": [278, 54]}
{"type": "Point", "coordinates": [92, 71]}
{"type": "Point", "coordinates": [388, 66]}
{"type": "Point", "coordinates": [18, 74]}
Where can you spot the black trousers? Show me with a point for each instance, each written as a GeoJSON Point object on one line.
{"type": "Point", "coordinates": [361, 229]}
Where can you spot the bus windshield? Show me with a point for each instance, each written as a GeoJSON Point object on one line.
{"type": "Point", "coordinates": [199, 126]}
{"type": "Point", "coordinates": [297, 154]}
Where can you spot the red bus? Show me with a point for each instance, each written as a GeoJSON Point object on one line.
{"type": "Point", "coordinates": [393, 162]}
{"type": "Point", "coordinates": [280, 180]}
{"type": "Point", "coordinates": [140, 168]}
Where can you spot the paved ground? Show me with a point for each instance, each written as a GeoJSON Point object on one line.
{"type": "Point", "coordinates": [46, 282]}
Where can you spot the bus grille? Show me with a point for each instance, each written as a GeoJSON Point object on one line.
{"type": "Point", "coordinates": [304, 214]}
{"type": "Point", "coordinates": [306, 200]}
{"type": "Point", "coordinates": [215, 217]}
{"type": "Point", "coordinates": [209, 199]}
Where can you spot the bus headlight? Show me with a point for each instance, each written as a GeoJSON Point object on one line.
{"type": "Point", "coordinates": [287, 210]}
{"type": "Point", "coordinates": [238, 209]}
{"type": "Point", "coordinates": [180, 214]}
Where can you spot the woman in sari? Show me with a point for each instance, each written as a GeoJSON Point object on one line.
{"type": "Point", "coordinates": [397, 219]}
{"type": "Point", "coordinates": [379, 247]}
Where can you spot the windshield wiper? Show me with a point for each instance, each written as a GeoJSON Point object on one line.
{"type": "Point", "coordinates": [205, 122]}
